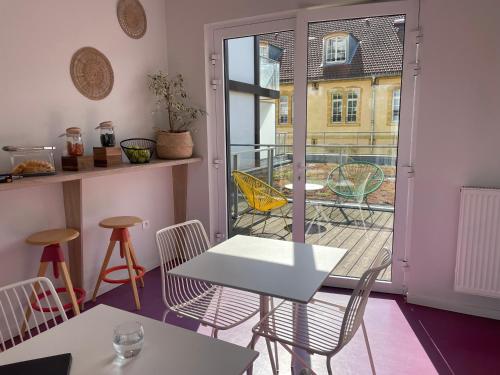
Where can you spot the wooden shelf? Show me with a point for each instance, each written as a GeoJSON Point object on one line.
{"type": "Point", "coordinates": [63, 176]}
{"type": "Point", "coordinates": [73, 192]}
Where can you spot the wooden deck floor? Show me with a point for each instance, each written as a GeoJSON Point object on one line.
{"type": "Point", "coordinates": [332, 229]}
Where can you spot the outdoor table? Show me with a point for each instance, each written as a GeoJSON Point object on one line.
{"type": "Point", "coordinates": [167, 349]}
{"type": "Point", "coordinates": [314, 204]}
{"type": "Point", "coordinates": [271, 268]}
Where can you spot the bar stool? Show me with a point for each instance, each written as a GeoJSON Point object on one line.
{"type": "Point", "coordinates": [120, 233]}
{"type": "Point", "coordinates": [52, 253]}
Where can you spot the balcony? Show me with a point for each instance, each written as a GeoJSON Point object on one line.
{"type": "Point", "coordinates": [362, 228]}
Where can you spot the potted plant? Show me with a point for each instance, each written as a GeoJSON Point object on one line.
{"type": "Point", "coordinates": [175, 142]}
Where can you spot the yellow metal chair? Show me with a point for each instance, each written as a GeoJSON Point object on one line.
{"type": "Point", "coordinates": [260, 196]}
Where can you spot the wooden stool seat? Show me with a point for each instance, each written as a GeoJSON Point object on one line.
{"type": "Point", "coordinates": [52, 237]}
{"type": "Point", "coordinates": [120, 222]}
{"type": "Point", "coordinates": [120, 234]}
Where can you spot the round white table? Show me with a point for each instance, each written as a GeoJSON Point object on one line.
{"type": "Point", "coordinates": [315, 205]}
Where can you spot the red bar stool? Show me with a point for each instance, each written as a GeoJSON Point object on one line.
{"type": "Point", "coordinates": [120, 225]}
{"type": "Point", "coordinates": [52, 253]}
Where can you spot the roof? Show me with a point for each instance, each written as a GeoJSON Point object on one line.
{"type": "Point", "coordinates": [379, 52]}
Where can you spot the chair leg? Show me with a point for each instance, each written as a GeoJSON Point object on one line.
{"type": "Point", "coordinates": [69, 286]}
{"type": "Point", "coordinates": [271, 356]}
{"type": "Point", "coordinates": [251, 345]}
{"type": "Point", "coordinates": [329, 366]}
{"type": "Point", "coordinates": [42, 269]}
{"type": "Point", "coordinates": [370, 356]}
{"type": "Point", "coordinates": [271, 301]}
{"type": "Point", "coordinates": [268, 215]}
{"type": "Point", "coordinates": [105, 262]}
{"type": "Point", "coordinates": [251, 225]}
{"type": "Point", "coordinates": [284, 219]}
{"type": "Point", "coordinates": [131, 274]}
{"type": "Point", "coordinates": [134, 261]}
{"type": "Point", "coordinates": [215, 333]}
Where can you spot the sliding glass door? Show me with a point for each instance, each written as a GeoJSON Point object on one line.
{"type": "Point", "coordinates": [316, 118]}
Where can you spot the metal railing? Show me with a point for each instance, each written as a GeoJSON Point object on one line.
{"type": "Point", "coordinates": [324, 136]}
{"type": "Point", "coordinates": [269, 155]}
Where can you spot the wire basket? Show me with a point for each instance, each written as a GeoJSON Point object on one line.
{"type": "Point", "coordinates": [138, 150]}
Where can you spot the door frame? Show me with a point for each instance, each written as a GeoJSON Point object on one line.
{"type": "Point", "coordinates": [298, 21]}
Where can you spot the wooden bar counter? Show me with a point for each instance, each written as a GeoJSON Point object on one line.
{"type": "Point", "coordinates": [72, 195]}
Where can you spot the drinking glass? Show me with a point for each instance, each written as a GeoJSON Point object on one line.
{"type": "Point", "coordinates": [127, 339]}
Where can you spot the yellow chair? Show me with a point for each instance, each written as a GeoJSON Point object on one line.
{"type": "Point", "coordinates": [260, 196]}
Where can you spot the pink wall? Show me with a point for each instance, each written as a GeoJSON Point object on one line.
{"type": "Point", "coordinates": [457, 140]}
{"type": "Point", "coordinates": [38, 101]}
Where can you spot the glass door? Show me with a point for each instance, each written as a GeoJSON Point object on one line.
{"type": "Point", "coordinates": [314, 132]}
{"type": "Point", "coordinates": [357, 113]}
{"type": "Point", "coordinates": [259, 133]}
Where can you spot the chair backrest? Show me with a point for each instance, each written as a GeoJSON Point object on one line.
{"type": "Point", "coordinates": [176, 245]}
{"type": "Point", "coordinates": [259, 195]}
{"type": "Point", "coordinates": [355, 180]}
{"type": "Point", "coordinates": [355, 309]}
{"type": "Point", "coordinates": [18, 300]}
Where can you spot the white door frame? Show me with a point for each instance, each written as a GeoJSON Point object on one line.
{"type": "Point", "coordinates": [298, 21]}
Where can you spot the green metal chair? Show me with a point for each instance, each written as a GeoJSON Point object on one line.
{"type": "Point", "coordinates": [353, 182]}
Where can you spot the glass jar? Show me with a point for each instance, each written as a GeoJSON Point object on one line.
{"type": "Point", "coordinates": [107, 134]}
{"type": "Point", "coordinates": [31, 161]}
{"type": "Point", "coordinates": [74, 142]}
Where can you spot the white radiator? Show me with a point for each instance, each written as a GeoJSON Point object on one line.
{"type": "Point", "coordinates": [477, 270]}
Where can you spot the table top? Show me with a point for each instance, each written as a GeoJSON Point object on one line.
{"type": "Point", "coordinates": [167, 349]}
{"type": "Point", "coordinates": [308, 187]}
{"type": "Point", "coordinates": [283, 269]}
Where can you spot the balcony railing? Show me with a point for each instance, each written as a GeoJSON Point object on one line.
{"type": "Point", "coordinates": [264, 159]}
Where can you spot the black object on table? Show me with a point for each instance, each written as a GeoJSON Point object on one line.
{"type": "Point", "coordinates": [54, 365]}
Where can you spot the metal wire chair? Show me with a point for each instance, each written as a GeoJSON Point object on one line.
{"type": "Point", "coordinates": [322, 327]}
{"type": "Point", "coordinates": [260, 196]}
{"type": "Point", "coordinates": [19, 302]}
{"type": "Point", "coordinates": [354, 181]}
{"type": "Point", "coordinates": [218, 307]}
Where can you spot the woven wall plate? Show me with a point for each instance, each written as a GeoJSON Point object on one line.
{"type": "Point", "coordinates": [91, 73]}
{"type": "Point", "coordinates": [132, 18]}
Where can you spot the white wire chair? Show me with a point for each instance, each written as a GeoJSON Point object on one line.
{"type": "Point", "coordinates": [321, 327]}
{"type": "Point", "coordinates": [218, 307]}
{"type": "Point", "coordinates": [21, 303]}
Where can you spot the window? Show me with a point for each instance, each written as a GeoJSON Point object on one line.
{"type": "Point", "coordinates": [352, 105]}
{"type": "Point", "coordinates": [336, 106]}
{"type": "Point", "coordinates": [283, 110]}
{"type": "Point", "coordinates": [264, 49]}
{"type": "Point", "coordinates": [396, 104]}
{"type": "Point", "coordinates": [335, 49]}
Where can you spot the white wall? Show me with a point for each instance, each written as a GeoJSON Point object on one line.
{"type": "Point", "coordinates": [38, 101]}
{"type": "Point", "coordinates": [458, 130]}
{"type": "Point", "coordinates": [457, 140]}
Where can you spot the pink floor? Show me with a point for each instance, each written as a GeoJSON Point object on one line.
{"type": "Point", "coordinates": [404, 338]}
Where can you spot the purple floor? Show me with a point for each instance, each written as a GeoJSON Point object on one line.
{"type": "Point", "coordinates": [404, 338]}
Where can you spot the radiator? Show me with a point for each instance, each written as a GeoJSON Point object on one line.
{"type": "Point", "coordinates": [477, 269]}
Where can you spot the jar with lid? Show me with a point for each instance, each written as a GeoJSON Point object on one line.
{"type": "Point", "coordinates": [74, 142]}
{"type": "Point", "coordinates": [107, 134]}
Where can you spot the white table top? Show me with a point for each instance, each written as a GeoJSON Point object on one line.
{"type": "Point", "coordinates": [167, 349]}
{"type": "Point", "coordinates": [308, 187]}
{"type": "Point", "coordinates": [283, 269]}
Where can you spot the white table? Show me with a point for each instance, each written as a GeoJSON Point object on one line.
{"type": "Point", "coordinates": [283, 269]}
{"type": "Point", "coordinates": [315, 205]}
{"type": "Point", "coordinates": [167, 349]}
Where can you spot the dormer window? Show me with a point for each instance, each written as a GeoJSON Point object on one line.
{"type": "Point", "coordinates": [335, 49]}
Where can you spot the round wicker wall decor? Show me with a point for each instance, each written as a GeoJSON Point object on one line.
{"type": "Point", "coordinates": [132, 18]}
{"type": "Point", "coordinates": [91, 73]}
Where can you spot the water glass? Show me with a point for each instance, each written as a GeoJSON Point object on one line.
{"type": "Point", "coordinates": [127, 339]}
